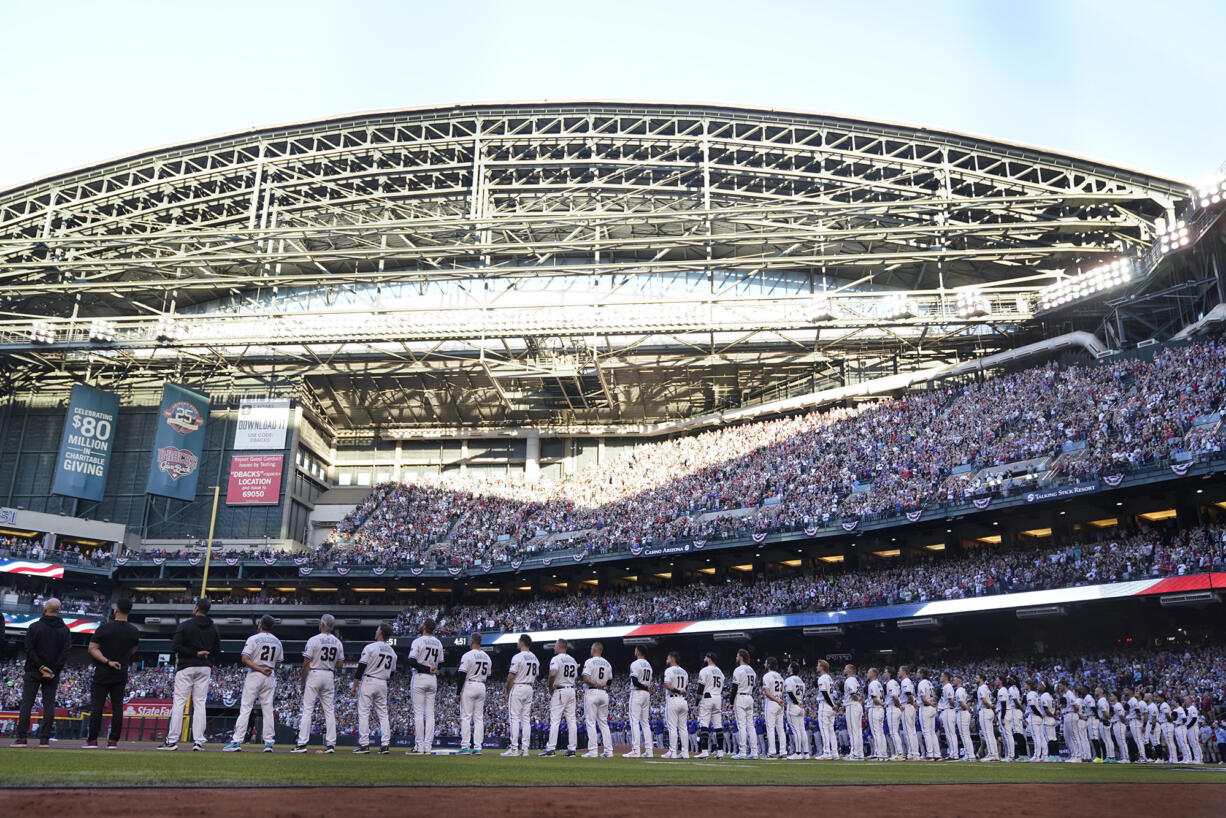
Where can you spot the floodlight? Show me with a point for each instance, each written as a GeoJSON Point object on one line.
{"type": "Point", "coordinates": [1103, 277]}
{"type": "Point", "coordinates": [1212, 190]}
{"type": "Point", "coordinates": [42, 332]}
{"type": "Point", "coordinates": [167, 329]}
{"type": "Point", "coordinates": [897, 306]}
{"type": "Point", "coordinates": [971, 303]}
{"type": "Point", "coordinates": [1172, 237]}
{"type": "Point", "coordinates": [101, 330]}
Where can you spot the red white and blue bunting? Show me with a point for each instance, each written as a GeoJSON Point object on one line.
{"type": "Point", "coordinates": [455, 570]}
{"type": "Point", "coordinates": [272, 560]}
{"type": "Point", "coordinates": [982, 502]}
{"type": "Point", "coordinates": [305, 570]}
{"type": "Point", "coordinates": [231, 561]}
{"type": "Point", "coordinates": [913, 516]}
{"type": "Point", "coordinates": [378, 570]}
{"type": "Point", "coordinates": [1113, 480]}
{"type": "Point", "coordinates": [759, 536]}
{"type": "Point", "coordinates": [342, 569]}
{"type": "Point", "coordinates": [850, 525]}
{"type": "Point", "coordinates": [193, 559]}
{"type": "Point", "coordinates": [416, 570]}
{"type": "Point", "coordinates": [699, 545]}
{"type": "Point", "coordinates": [1181, 468]}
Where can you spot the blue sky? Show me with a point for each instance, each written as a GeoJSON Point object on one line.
{"type": "Point", "coordinates": [1137, 84]}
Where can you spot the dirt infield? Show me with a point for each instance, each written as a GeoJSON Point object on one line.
{"type": "Point", "coordinates": [1184, 800]}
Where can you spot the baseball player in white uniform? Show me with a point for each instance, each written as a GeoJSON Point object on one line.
{"type": "Point", "coordinates": [474, 670]}
{"type": "Point", "coordinates": [962, 703]}
{"type": "Point", "coordinates": [772, 708]}
{"type": "Point", "coordinates": [1136, 722]}
{"type": "Point", "coordinates": [597, 673]}
{"type": "Point", "coordinates": [1153, 726]}
{"type": "Point", "coordinates": [949, 717]}
{"type": "Point", "coordinates": [744, 680]}
{"type": "Point", "coordinates": [1034, 719]}
{"type": "Point", "coordinates": [1088, 724]}
{"type": "Point", "coordinates": [987, 719]}
{"type": "Point", "coordinates": [323, 654]}
{"type": "Point", "coordinates": [927, 693]}
{"type": "Point", "coordinates": [262, 654]}
{"type": "Point", "coordinates": [1014, 747]}
{"type": "Point", "coordinates": [676, 707]}
{"type": "Point", "coordinates": [794, 691]}
{"type": "Point", "coordinates": [853, 711]}
{"type": "Point", "coordinates": [710, 708]}
{"type": "Point", "coordinates": [876, 714]}
{"type": "Point", "coordinates": [826, 709]}
{"type": "Point", "coordinates": [375, 666]}
{"type": "Point", "coordinates": [893, 713]}
{"type": "Point", "coordinates": [520, 677]}
{"type": "Point", "coordinates": [640, 706]}
{"type": "Point", "coordinates": [1167, 726]}
{"type": "Point", "coordinates": [1192, 728]}
{"type": "Point", "coordinates": [1102, 709]}
{"type": "Point", "coordinates": [1119, 728]}
{"type": "Point", "coordinates": [1070, 705]}
{"type": "Point", "coordinates": [909, 713]}
{"type": "Point", "coordinates": [1047, 703]}
{"type": "Point", "coordinates": [425, 655]}
{"type": "Point", "coordinates": [563, 675]}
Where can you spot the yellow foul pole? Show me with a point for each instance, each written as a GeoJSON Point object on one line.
{"type": "Point", "coordinates": [208, 554]}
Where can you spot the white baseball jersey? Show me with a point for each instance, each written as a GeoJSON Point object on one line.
{"type": "Point", "coordinates": [711, 679]}
{"type": "Point", "coordinates": [796, 687]}
{"type": "Point", "coordinates": [476, 666]}
{"type": "Point", "coordinates": [1048, 703]}
{"type": "Point", "coordinates": [426, 650]}
{"type": "Point", "coordinates": [1117, 713]}
{"type": "Point", "coordinates": [323, 650]}
{"type": "Point", "coordinates": [1164, 713]}
{"type": "Point", "coordinates": [1071, 702]}
{"type": "Point", "coordinates": [745, 679]}
{"type": "Point", "coordinates": [1104, 709]}
{"type": "Point", "coordinates": [1088, 709]}
{"type": "Point", "coordinates": [1178, 715]}
{"type": "Point", "coordinates": [961, 697]}
{"type": "Point", "coordinates": [825, 689]}
{"type": "Point", "coordinates": [926, 691]}
{"type": "Point", "coordinates": [851, 688]}
{"type": "Point", "coordinates": [380, 660]}
{"type": "Point", "coordinates": [525, 667]}
{"type": "Point", "coordinates": [676, 676]}
{"type": "Point", "coordinates": [565, 670]}
{"type": "Point", "coordinates": [893, 693]}
{"type": "Point", "coordinates": [640, 669]}
{"type": "Point", "coordinates": [264, 649]}
{"type": "Point", "coordinates": [876, 693]}
{"type": "Point", "coordinates": [598, 669]}
{"type": "Point", "coordinates": [1015, 697]}
{"type": "Point", "coordinates": [1032, 702]}
{"type": "Point", "coordinates": [1136, 710]}
{"type": "Point", "coordinates": [772, 681]}
{"type": "Point", "coordinates": [1193, 716]}
{"type": "Point", "coordinates": [947, 696]}
{"type": "Point", "coordinates": [907, 689]}
{"type": "Point", "coordinates": [1151, 709]}
{"type": "Point", "coordinates": [984, 695]}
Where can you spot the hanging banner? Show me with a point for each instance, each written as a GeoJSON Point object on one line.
{"type": "Point", "coordinates": [1113, 480]}
{"type": "Point", "coordinates": [982, 502]}
{"type": "Point", "coordinates": [178, 444]}
{"type": "Point", "coordinates": [255, 479]}
{"type": "Point", "coordinates": [261, 424]}
{"type": "Point", "coordinates": [913, 516]}
{"type": "Point", "coordinates": [342, 570]}
{"type": "Point", "coordinates": [850, 525]}
{"type": "Point", "coordinates": [378, 570]}
{"type": "Point", "coordinates": [1181, 468]}
{"type": "Point", "coordinates": [85, 446]}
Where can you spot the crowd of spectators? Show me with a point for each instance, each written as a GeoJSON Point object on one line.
{"type": "Point", "coordinates": [36, 549]}
{"type": "Point", "coordinates": [883, 458]}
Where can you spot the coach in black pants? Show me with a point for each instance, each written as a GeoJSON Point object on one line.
{"type": "Point", "coordinates": [113, 645]}
{"type": "Point", "coordinates": [47, 643]}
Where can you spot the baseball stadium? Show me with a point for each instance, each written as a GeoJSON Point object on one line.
{"type": "Point", "coordinates": [506, 453]}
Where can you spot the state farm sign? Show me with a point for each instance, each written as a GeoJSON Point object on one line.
{"type": "Point", "coordinates": [148, 708]}
{"type": "Point", "coordinates": [255, 479]}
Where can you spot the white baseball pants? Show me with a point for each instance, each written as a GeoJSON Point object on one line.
{"type": "Point", "coordinates": [796, 723]}
{"type": "Point", "coordinates": [949, 720]}
{"type": "Point", "coordinates": [519, 711]}
{"type": "Point", "coordinates": [711, 712]}
{"type": "Point", "coordinates": [876, 731]}
{"type": "Point", "coordinates": [472, 715]}
{"type": "Point", "coordinates": [1008, 722]}
{"type": "Point", "coordinates": [893, 721]}
{"type": "Point", "coordinates": [319, 687]}
{"type": "Point", "coordinates": [776, 741]}
{"type": "Point", "coordinates": [1038, 735]}
{"type": "Point", "coordinates": [987, 732]}
{"type": "Point", "coordinates": [1181, 741]}
{"type": "Point", "coordinates": [825, 726]}
{"type": "Point", "coordinates": [746, 731]}
{"type": "Point", "coordinates": [854, 713]}
{"type": "Point", "coordinates": [928, 723]}
{"type": "Point", "coordinates": [1108, 743]}
{"type": "Point", "coordinates": [1072, 735]}
{"type": "Point", "coordinates": [424, 690]}
{"type": "Point", "coordinates": [1121, 740]}
{"type": "Point", "coordinates": [562, 703]}
{"type": "Point", "coordinates": [257, 687]}
{"type": "Point", "coordinates": [964, 732]}
{"type": "Point", "coordinates": [596, 714]}
{"type": "Point", "coordinates": [640, 721]}
{"type": "Point", "coordinates": [373, 694]}
{"type": "Point", "coordinates": [190, 682]}
{"type": "Point", "coordinates": [676, 719]}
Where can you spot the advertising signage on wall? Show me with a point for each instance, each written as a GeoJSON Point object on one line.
{"type": "Point", "coordinates": [179, 443]}
{"type": "Point", "coordinates": [85, 446]}
{"type": "Point", "coordinates": [261, 424]}
{"type": "Point", "coordinates": [255, 479]}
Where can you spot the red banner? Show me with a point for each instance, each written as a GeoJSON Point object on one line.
{"type": "Point", "coordinates": [255, 479]}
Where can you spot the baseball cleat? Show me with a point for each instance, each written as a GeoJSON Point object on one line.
{"type": "Point", "coordinates": [631, 754]}
{"type": "Point", "coordinates": [669, 754]}
{"type": "Point", "coordinates": [22, 743]}
{"type": "Point", "coordinates": [163, 746]}
{"type": "Point", "coordinates": [329, 749]}
{"type": "Point", "coordinates": [90, 745]}
{"type": "Point", "coordinates": [232, 747]}
{"type": "Point", "coordinates": [464, 751]}
{"type": "Point", "coordinates": [570, 753]}
{"type": "Point", "coordinates": [111, 744]}
{"type": "Point", "coordinates": [198, 747]}
{"type": "Point", "coordinates": [546, 754]}
{"type": "Point", "coordinates": [590, 754]}
{"type": "Point", "coordinates": [361, 750]}
{"type": "Point", "coordinates": [385, 750]}
{"type": "Point", "coordinates": [510, 753]}
{"type": "Point", "coordinates": [477, 752]}
{"type": "Point", "coordinates": [268, 747]}
{"type": "Point", "coordinates": [608, 754]}
{"type": "Point", "coordinates": [703, 754]}
{"type": "Point", "coordinates": [299, 748]}
{"type": "Point", "coordinates": [525, 753]}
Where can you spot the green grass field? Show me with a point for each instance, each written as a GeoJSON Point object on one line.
{"type": "Point", "coordinates": [99, 768]}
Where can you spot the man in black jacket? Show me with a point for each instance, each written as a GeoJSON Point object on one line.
{"type": "Point", "coordinates": [196, 645]}
{"type": "Point", "coordinates": [111, 648]}
{"type": "Point", "coordinates": [47, 643]}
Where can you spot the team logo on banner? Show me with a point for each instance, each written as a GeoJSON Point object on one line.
{"type": "Point", "coordinates": [759, 536]}
{"type": "Point", "coordinates": [183, 417]}
{"type": "Point", "coordinates": [304, 570]}
{"type": "Point", "coordinates": [913, 516]}
{"type": "Point", "coordinates": [1181, 468]}
{"type": "Point", "coordinates": [982, 502]}
{"type": "Point", "coordinates": [850, 525]}
{"type": "Point", "coordinates": [342, 569]}
{"type": "Point", "coordinates": [176, 463]}
{"type": "Point", "coordinates": [378, 570]}
{"type": "Point", "coordinates": [1113, 480]}
{"type": "Point", "coordinates": [415, 570]}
